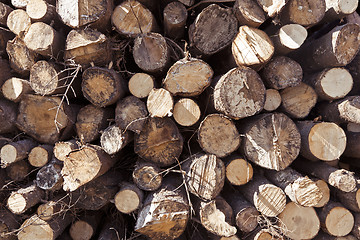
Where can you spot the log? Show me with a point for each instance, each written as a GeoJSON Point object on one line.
{"type": "Point", "coordinates": [205, 175]}
{"type": "Point", "coordinates": [204, 39]}
{"type": "Point", "coordinates": [218, 135]}
{"type": "Point", "coordinates": [18, 21]}
{"type": "Point", "coordinates": [282, 72]}
{"type": "Point", "coordinates": [24, 198]}
{"type": "Point", "coordinates": [350, 200]}
{"type": "Point", "coordinates": [352, 144]}
{"type": "Point", "coordinates": [300, 189]}
{"type": "Point", "coordinates": [54, 207]}
{"type": "Point", "coordinates": [8, 224]}
{"type": "Point", "coordinates": [252, 47]}
{"type": "Point", "coordinates": [272, 8]}
{"type": "Point", "coordinates": [8, 112]}
{"type": "Point", "coordinates": [84, 165]}
{"type": "Point", "coordinates": [338, 9]}
{"type": "Point", "coordinates": [90, 121]}
{"type": "Point", "coordinates": [324, 188]}
{"type": "Point", "coordinates": [15, 151]}
{"type": "Point", "coordinates": [128, 198]}
{"type": "Point", "coordinates": [300, 222]}
{"type": "Point", "coordinates": [131, 18]}
{"type": "Point", "coordinates": [342, 179]}
{"type": "Point", "coordinates": [19, 3]}
{"type": "Point", "coordinates": [102, 86]}
{"type": "Point", "coordinates": [113, 139]}
{"type": "Point", "coordinates": [15, 88]}
{"type": "Point", "coordinates": [238, 171]}
{"type": "Point", "coordinates": [63, 149]}
{"type": "Point", "coordinates": [335, 219]}
{"type": "Point", "coordinates": [49, 177]}
{"type": "Point", "coordinates": [324, 141]}
{"type": "Point", "coordinates": [187, 3]}
{"type": "Point", "coordinates": [131, 114]}
{"type": "Point", "coordinates": [5, 36]}
{"type": "Point", "coordinates": [175, 16]}
{"type": "Point", "coordinates": [289, 38]}
{"type": "Point", "coordinates": [356, 229]}
{"type": "Point", "coordinates": [40, 155]}
{"type": "Point", "coordinates": [324, 236]}
{"type": "Point", "coordinates": [147, 176]}
{"type": "Point", "coordinates": [239, 93]}
{"type": "Point", "coordinates": [188, 77]}
{"type": "Point", "coordinates": [272, 100]}
{"type": "Point", "coordinates": [271, 141]}
{"type": "Point", "coordinates": [249, 13]}
{"type": "Point", "coordinates": [299, 100]}
{"type": "Point", "coordinates": [268, 199]}
{"type": "Point", "coordinates": [264, 234]}
{"type": "Point", "coordinates": [5, 10]}
{"type": "Point", "coordinates": [18, 171]}
{"type": "Point", "coordinates": [85, 227]}
{"type": "Point", "coordinates": [6, 73]}
{"type": "Point", "coordinates": [141, 84]}
{"type": "Point", "coordinates": [113, 229]}
{"type": "Point", "coordinates": [159, 142]}
{"type": "Point", "coordinates": [186, 112]}
{"type": "Point", "coordinates": [41, 11]}
{"type": "Point", "coordinates": [331, 83]}
{"type": "Point", "coordinates": [160, 103]}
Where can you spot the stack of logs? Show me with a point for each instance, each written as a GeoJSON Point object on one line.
{"type": "Point", "coordinates": [164, 119]}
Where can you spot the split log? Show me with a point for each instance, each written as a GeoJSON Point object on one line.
{"type": "Point", "coordinates": [18, 171]}
{"type": "Point", "coordinates": [252, 47]}
{"type": "Point", "coordinates": [301, 190]}
{"type": "Point", "coordinates": [186, 112]}
{"type": "Point", "coordinates": [321, 141]}
{"type": "Point", "coordinates": [217, 134]}
{"type": "Point", "coordinates": [49, 177]}
{"type": "Point", "coordinates": [113, 139]}
{"type": "Point", "coordinates": [85, 227]}
{"type": "Point", "coordinates": [289, 38]}
{"type": "Point", "coordinates": [239, 93]}
{"type": "Point", "coordinates": [282, 72]}
{"type": "Point", "coordinates": [15, 151]}
{"type": "Point", "coordinates": [202, 35]}
{"type": "Point", "coordinates": [62, 149]}
{"type": "Point", "coordinates": [338, 9]}
{"type": "Point", "coordinates": [102, 86]}
{"type": "Point", "coordinates": [159, 142]}
{"type": "Point", "coordinates": [299, 100]}
{"type": "Point", "coordinates": [113, 229]}
{"type": "Point", "coordinates": [141, 84]}
{"type": "Point", "coordinates": [324, 188]}
{"type": "Point", "coordinates": [268, 199]}
{"type": "Point", "coordinates": [188, 77]}
{"type": "Point", "coordinates": [41, 11]}
{"type": "Point", "coordinates": [175, 16]}
{"type": "Point", "coordinates": [5, 10]}
{"type": "Point", "coordinates": [8, 224]}
{"type": "Point", "coordinates": [335, 219]}
{"type": "Point", "coordinates": [205, 175]}
{"type": "Point", "coordinates": [147, 176]}
{"type": "Point", "coordinates": [165, 213]}
{"type": "Point", "coordinates": [44, 118]}
{"type": "Point", "coordinates": [160, 103]}
{"type": "Point", "coordinates": [24, 198]}
{"type": "Point", "coordinates": [272, 8]}
{"type": "Point", "coordinates": [356, 229]}
{"type": "Point", "coordinates": [84, 165]}
{"type": "Point", "coordinates": [129, 198]}
{"type": "Point", "coordinates": [271, 141]}
{"type": "Point", "coordinates": [331, 83]}
{"type": "Point", "coordinates": [131, 114]}
{"type": "Point", "coordinates": [131, 18]}
{"type": "Point", "coordinates": [90, 120]}
{"type": "Point", "coordinates": [40, 155]}
{"type": "Point", "coordinates": [18, 21]}
{"type": "Point", "coordinates": [238, 171]}
{"type": "Point", "coordinates": [300, 222]}
{"type": "Point", "coordinates": [15, 88]}
{"type": "Point", "coordinates": [249, 13]}
{"type": "Point", "coordinates": [341, 179]}
{"type": "Point", "coordinates": [272, 100]}
{"type": "Point", "coordinates": [8, 112]}
{"type": "Point", "coordinates": [151, 52]}
{"type": "Point", "coordinates": [350, 200]}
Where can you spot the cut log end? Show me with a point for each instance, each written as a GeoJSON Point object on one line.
{"type": "Point", "coordinates": [290, 37]}
{"type": "Point", "coordinates": [239, 171]}
{"type": "Point", "coordinates": [343, 180]}
{"type": "Point", "coordinates": [186, 112]}
{"type": "Point", "coordinates": [128, 199]}
{"type": "Point", "coordinates": [324, 188]}
{"type": "Point", "coordinates": [141, 84]}
{"type": "Point", "coordinates": [160, 103]}
{"type": "Point", "coordinates": [270, 200]}
{"type": "Point", "coordinates": [339, 221]}
{"type": "Point", "coordinates": [272, 100]}
{"type": "Point", "coordinates": [147, 176]}
{"type": "Point", "coordinates": [81, 230]}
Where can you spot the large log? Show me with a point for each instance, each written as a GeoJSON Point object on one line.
{"type": "Point", "coordinates": [18, 171]}
{"type": "Point", "coordinates": [350, 200]}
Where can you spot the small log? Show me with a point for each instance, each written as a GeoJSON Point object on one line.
{"type": "Point", "coordinates": [84, 165]}
{"type": "Point", "coordinates": [84, 46]}
{"type": "Point", "coordinates": [113, 139]}
{"type": "Point", "coordinates": [298, 101]}
{"type": "Point", "coordinates": [271, 141]}
{"type": "Point", "coordinates": [5, 10]}
{"type": "Point", "coordinates": [63, 149]}
{"type": "Point", "coordinates": [141, 84]}
{"type": "Point", "coordinates": [249, 13]}
{"type": "Point", "coordinates": [41, 11]}
{"type": "Point", "coordinates": [331, 83]}
{"type": "Point", "coordinates": [238, 171]}
{"type": "Point", "coordinates": [356, 229]}
{"type": "Point", "coordinates": [324, 188]}
{"type": "Point", "coordinates": [217, 134]}
{"type": "Point", "coordinates": [272, 100]}
{"type": "Point", "coordinates": [350, 200]}
{"type": "Point", "coordinates": [306, 14]}
{"type": "Point", "coordinates": [8, 224]}
{"type": "Point", "coordinates": [341, 179]}
{"type": "Point", "coordinates": [321, 141]}
{"type": "Point", "coordinates": [188, 77]}
{"type": "Point", "coordinates": [85, 227]}
{"type": "Point", "coordinates": [18, 21]}
{"type": "Point", "coordinates": [49, 177]}
{"type": "Point", "coordinates": [90, 120]}
{"type": "Point", "coordinates": [40, 155]}
{"type": "Point", "coordinates": [186, 112]}
{"type": "Point", "coordinates": [129, 198]}
{"type": "Point", "coordinates": [15, 88]}
{"type": "Point", "coordinates": [205, 175]}
{"type": "Point", "coordinates": [264, 234]}
{"type": "Point", "coordinates": [164, 214]}
{"type": "Point", "coordinates": [300, 222]}
{"type": "Point", "coordinates": [24, 198]}
{"type": "Point", "coordinates": [159, 142]}
{"type": "Point", "coordinates": [53, 208]}
{"type": "Point", "coordinates": [289, 38]}
{"type": "Point", "coordinates": [18, 171]}
{"type": "Point", "coordinates": [151, 52]}
{"type": "Point", "coordinates": [15, 151]}
{"type": "Point", "coordinates": [239, 93]}
{"type": "Point", "coordinates": [301, 190]}
{"type": "Point", "coordinates": [252, 47]}
{"type": "Point", "coordinates": [8, 112]}
{"type": "Point", "coordinates": [338, 9]}
{"type": "Point", "coordinates": [268, 199]}
{"type": "Point", "coordinates": [131, 114]}
{"type": "Point", "coordinates": [160, 103]}
{"type": "Point", "coordinates": [335, 219]}
{"type": "Point", "coordinates": [175, 16]}
{"type": "Point", "coordinates": [113, 229]}
{"type": "Point", "coordinates": [102, 86]}
{"type": "Point", "coordinates": [147, 176]}
{"type": "Point", "coordinates": [19, 3]}
{"type": "Point", "coordinates": [272, 8]}
{"type": "Point", "coordinates": [282, 72]}
{"type": "Point", "coordinates": [202, 35]}
{"type": "Point", "coordinates": [131, 18]}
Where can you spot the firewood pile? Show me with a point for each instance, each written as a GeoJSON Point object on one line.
{"type": "Point", "coordinates": [162, 119]}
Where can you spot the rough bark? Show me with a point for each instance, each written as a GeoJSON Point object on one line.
{"type": "Point", "coordinates": [5, 10]}
{"type": "Point", "coordinates": [147, 176]}
{"type": "Point", "coordinates": [113, 229]}
{"type": "Point", "coordinates": [175, 16]}
{"type": "Point", "coordinates": [8, 224]}
{"type": "Point", "coordinates": [18, 171]}
{"type": "Point", "coordinates": [8, 112]}
{"type": "Point", "coordinates": [350, 200]}
{"type": "Point", "coordinates": [49, 177]}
